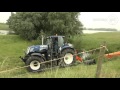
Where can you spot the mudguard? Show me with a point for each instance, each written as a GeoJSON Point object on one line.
{"type": "Point", "coordinates": [66, 47]}
{"type": "Point", "coordinates": [38, 54]}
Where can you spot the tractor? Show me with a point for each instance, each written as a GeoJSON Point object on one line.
{"type": "Point", "coordinates": [55, 47]}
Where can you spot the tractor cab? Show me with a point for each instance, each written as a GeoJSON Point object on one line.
{"type": "Point", "coordinates": [55, 43]}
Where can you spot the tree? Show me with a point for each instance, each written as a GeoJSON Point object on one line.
{"type": "Point", "coordinates": [29, 24]}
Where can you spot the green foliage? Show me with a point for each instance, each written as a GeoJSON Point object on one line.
{"type": "Point", "coordinates": [76, 41]}
{"type": "Point", "coordinates": [91, 41]}
{"type": "Point", "coordinates": [29, 24]}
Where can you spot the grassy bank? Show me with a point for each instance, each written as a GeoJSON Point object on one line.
{"type": "Point", "coordinates": [4, 26]}
{"type": "Point", "coordinates": [91, 41]}
{"type": "Point", "coordinates": [11, 47]}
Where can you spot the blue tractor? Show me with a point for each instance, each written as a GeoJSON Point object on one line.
{"type": "Point", "coordinates": [54, 48]}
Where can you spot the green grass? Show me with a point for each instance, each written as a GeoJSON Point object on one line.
{"type": "Point", "coordinates": [4, 26]}
{"type": "Point", "coordinates": [11, 47]}
{"type": "Point", "coordinates": [91, 41]}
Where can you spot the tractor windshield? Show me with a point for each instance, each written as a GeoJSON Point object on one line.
{"type": "Point", "coordinates": [48, 41]}
{"type": "Point", "coordinates": [60, 41]}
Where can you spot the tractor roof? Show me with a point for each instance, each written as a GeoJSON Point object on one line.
{"type": "Point", "coordinates": [55, 36]}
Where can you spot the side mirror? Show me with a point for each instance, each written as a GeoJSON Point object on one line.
{"type": "Point", "coordinates": [48, 37]}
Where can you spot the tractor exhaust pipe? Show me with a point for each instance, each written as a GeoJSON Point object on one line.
{"type": "Point", "coordinates": [42, 39]}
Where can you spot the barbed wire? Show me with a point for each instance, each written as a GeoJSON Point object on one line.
{"type": "Point", "coordinates": [54, 60]}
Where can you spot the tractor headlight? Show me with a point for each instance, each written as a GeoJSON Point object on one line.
{"type": "Point", "coordinates": [28, 49]}
{"type": "Point", "coordinates": [71, 45]}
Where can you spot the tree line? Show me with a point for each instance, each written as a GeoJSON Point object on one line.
{"type": "Point", "coordinates": [30, 25]}
{"type": "Point", "coordinates": [102, 29]}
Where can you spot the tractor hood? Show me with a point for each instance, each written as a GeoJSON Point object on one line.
{"type": "Point", "coordinates": [36, 48]}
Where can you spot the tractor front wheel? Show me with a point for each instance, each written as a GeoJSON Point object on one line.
{"type": "Point", "coordinates": [34, 64]}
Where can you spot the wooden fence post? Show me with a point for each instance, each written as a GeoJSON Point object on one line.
{"type": "Point", "coordinates": [100, 59]}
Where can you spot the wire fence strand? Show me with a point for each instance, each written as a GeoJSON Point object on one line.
{"type": "Point", "coordinates": [52, 60]}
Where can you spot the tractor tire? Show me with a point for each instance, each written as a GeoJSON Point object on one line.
{"type": "Point", "coordinates": [69, 58]}
{"type": "Point", "coordinates": [34, 65]}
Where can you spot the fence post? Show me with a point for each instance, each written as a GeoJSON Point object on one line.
{"type": "Point", "coordinates": [100, 59]}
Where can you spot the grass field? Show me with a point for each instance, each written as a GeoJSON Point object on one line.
{"type": "Point", "coordinates": [91, 41]}
{"type": "Point", "coordinates": [11, 47]}
{"type": "Point", "coordinates": [4, 26]}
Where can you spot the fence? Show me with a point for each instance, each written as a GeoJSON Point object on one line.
{"type": "Point", "coordinates": [101, 49]}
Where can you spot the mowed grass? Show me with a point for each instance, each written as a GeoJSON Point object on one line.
{"type": "Point", "coordinates": [11, 47]}
{"type": "Point", "coordinates": [4, 26]}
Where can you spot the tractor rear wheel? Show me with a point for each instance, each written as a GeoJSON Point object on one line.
{"type": "Point", "coordinates": [34, 64]}
{"type": "Point", "coordinates": [69, 58]}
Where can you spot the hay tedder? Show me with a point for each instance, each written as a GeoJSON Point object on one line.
{"type": "Point", "coordinates": [111, 55]}
{"type": "Point", "coordinates": [107, 56]}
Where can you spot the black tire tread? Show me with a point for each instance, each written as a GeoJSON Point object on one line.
{"type": "Point", "coordinates": [30, 59]}
{"type": "Point", "coordinates": [61, 63]}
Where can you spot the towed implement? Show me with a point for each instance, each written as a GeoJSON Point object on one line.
{"type": "Point", "coordinates": [111, 55]}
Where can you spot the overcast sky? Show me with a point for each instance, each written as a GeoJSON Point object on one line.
{"type": "Point", "coordinates": [4, 16]}
{"type": "Point", "coordinates": [101, 19]}
{"type": "Point", "coordinates": [89, 19]}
